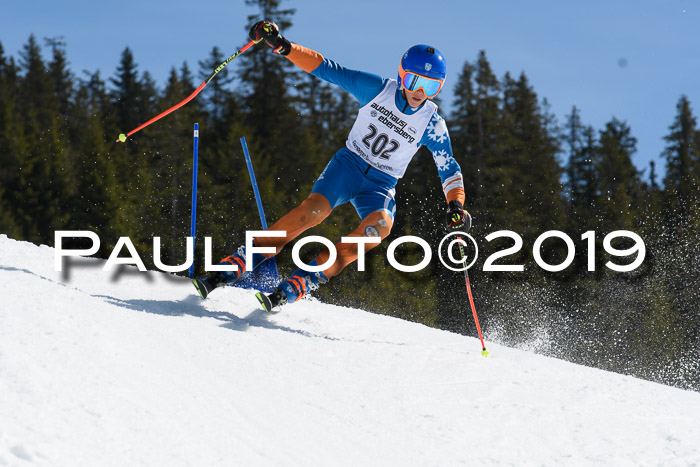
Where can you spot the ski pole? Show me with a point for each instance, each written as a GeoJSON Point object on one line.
{"type": "Point", "coordinates": [484, 352]}
{"type": "Point", "coordinates": [122, 137]}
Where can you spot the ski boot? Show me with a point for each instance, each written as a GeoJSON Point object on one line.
{"type": "Point", "coordinates": [268, 302]}
{"type": "Point", "coordinates": [293, 289]}
{"type": "Point", "coordinates": [205, 285]}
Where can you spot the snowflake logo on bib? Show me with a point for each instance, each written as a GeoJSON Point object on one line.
{"type": "Point", "coordinates": [442, 159]}
{"type": "Point", "coordinates": [437, 130]}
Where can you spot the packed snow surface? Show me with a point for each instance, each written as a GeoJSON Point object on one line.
{"type": "Point", "coordinates": [124, 368]}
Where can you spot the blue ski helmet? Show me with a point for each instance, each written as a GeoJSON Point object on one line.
{"type": "Point", "coordinates": [423, 60]}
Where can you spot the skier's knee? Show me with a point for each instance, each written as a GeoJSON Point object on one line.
{"type": "Point", "coordinates": [377, 224]}
{"type": "Point", "coordinates": [314, 209]}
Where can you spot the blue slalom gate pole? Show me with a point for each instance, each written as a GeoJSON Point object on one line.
{"type": "Point", "coordinates": [255, 184]}
{"type": "Point", "coordinates": [194, 191]}
{"type": "Point", "coordinates": [265, 277]}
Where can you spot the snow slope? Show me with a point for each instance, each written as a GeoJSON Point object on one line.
{"type": "Point", "coordinates": [128, 369]}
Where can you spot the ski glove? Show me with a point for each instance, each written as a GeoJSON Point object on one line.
{"type": "Point", "coordinates": [457, 217]}
{"type": "Point", "coordinates": [270, 33]}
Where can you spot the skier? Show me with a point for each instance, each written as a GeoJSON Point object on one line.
{"type": "Point", "coordinates": [396, 117]}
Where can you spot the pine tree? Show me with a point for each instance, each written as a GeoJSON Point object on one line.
{"type": "Point", "coordinates": [478, 136]}
{"type": "Point", "coordinates": [218, 100]}
{"type": "Point", "coordinates": [44, 173]}
{"type": "Point", "coordinates": [135, 99]}
{"type": "Point", "coordinates": [682, 153]}
{"type": "Point", "coordinates": [531, 162]}
{"type": "Point", "coordinates": [62, 83]}
{"type": "Point", "coordinates": [227, 203]}
{"type": "Point", "coordinates": [487, 150]}
{"type": "Point", "coordinates": [620, 184]}
{"type": "Point", "coordinates": [679, 255]}
{"type": "Point", "coordinates": [266, 78]}
{"type": "Point", "coordinates": [172, 162]}
{"type": "Point", "coordinates": [128, 93]}
{"type": "Point", "coordinates": [10, 144]}
{"type": "Point", "coordinates": [95, 205]}
{"type": "Point", "coordinates": [582, 178]}
{"type": "Point", "coordinates": [61, 77]}
{"type": "Point", "coordinates": [463, 126]}
{"type": "Point", "coordinates": [150, 100]}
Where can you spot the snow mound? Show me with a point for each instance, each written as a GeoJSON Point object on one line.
{"type": "Point", "coordinates": [128, 368]}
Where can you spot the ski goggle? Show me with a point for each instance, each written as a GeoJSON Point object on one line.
{"type": "Point", "coordinates": [413, 82]}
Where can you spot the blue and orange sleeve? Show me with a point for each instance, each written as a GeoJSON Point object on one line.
{"type": "Point", "coordinates": [306, 59]}
{"type": "Point", "coordinates": [437, 139]}
{"type": "Point", "coordinates": [363, 86]}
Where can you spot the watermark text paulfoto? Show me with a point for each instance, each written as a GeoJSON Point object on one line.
{"type": "Point", "coordinates": [455, 239]}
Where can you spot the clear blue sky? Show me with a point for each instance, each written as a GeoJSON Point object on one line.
{"type": "Point", "coordinates": [572, 52]}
